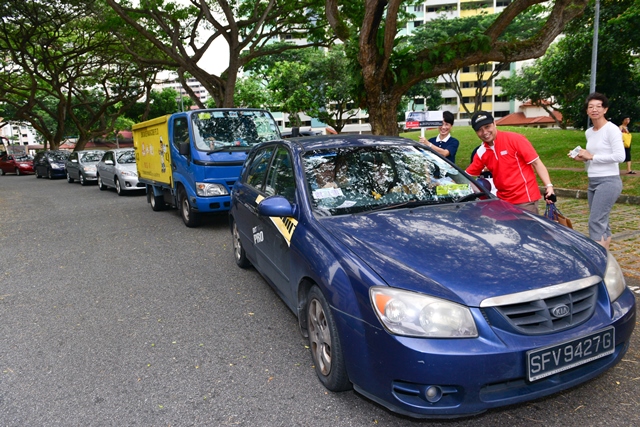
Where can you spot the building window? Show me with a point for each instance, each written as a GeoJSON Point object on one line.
{"type": "Point", "coordinates": [501, 113]}
{"type": "Point", "coordinates": [501, 98]}
{"type": "Point", "coordinates": [416, 24]}
{"type": "Point", "coordinates": [419, 8]}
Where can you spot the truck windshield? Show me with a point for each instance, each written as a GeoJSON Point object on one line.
{"type": "Point", "coordinates": [214, 130]}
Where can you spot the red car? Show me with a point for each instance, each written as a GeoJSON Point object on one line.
{"type": "Point", "coordinates": [16, 163]}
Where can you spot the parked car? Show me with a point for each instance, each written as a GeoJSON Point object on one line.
{"type": "Point", "coordinates": [50, 164]}
{"type": "Point", "coordinates": [418, 287]}
{"type": "Point", "coordinates": [117, 169]}
{"type": "Point", "coordinates": [81, 165]}
{"type": "Point", "coordinates": [20, 164]}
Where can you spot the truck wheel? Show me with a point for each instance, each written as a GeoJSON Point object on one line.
{"type": "Point", "coordinates": [156, 202]}
{"type": "Point", "coordinates": [189, 217]}
{"type": "Point", "coordinates": [238, 250]}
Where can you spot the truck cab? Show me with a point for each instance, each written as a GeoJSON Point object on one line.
{"type": "Point", "coordinates": [191, 160]}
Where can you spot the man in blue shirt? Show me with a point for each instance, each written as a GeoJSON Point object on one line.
{"type": "Point", "coordinates": [444, 144]}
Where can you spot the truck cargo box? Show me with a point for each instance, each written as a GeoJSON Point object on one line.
{"type": "Point", "coordinates": [151, 141]}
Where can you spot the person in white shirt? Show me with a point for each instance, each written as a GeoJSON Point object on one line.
{"type": "Point", "coordinates": [602, 155]}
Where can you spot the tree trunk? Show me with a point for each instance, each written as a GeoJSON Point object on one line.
{"type": "Point", "coordinates": [383, 113]}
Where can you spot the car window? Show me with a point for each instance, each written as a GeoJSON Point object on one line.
{"type": "Point", "coordinates": [356, 179]}
{"type": "Point", "coordinates": [280, 180]}
{"type": "Point", "coordinates": [58, 156]}
{"type": "Point", "coordinates": [126, 157]}
{"type": "Point", "coordinates": [107, 156]}
{"type": "Point", "coordinates": [73, 156]}
{"type": "Point", "coordinates": [257, 169]}
{"type": "Point", "coordinates": [180, 131]}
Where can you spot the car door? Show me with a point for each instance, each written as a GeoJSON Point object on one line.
{"type": "Point", "coordinates": [73, 165]}
{"type": "Point", "coordinates": [6, 164]}
{"type": "Point", "coordinates": [246, 197]}
{"type": "Point", "coordinates": [106, 168]}
{"type": "Point", "coordinates": [278, 231]}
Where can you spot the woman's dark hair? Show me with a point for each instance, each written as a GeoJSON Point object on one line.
{"type": "Point", "coordinates": [599, 97]}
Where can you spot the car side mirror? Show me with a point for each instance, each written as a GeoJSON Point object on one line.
{"type": "Point", "coordinates": [184, 148]}
{"type": "Point", "coordinates": [277, 206]}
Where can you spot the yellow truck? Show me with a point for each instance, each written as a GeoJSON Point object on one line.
{"type": "Point", "coordinates": [190, 160]}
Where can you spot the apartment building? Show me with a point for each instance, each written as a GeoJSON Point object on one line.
{"type": "Point", "coordinates": [466, 79]}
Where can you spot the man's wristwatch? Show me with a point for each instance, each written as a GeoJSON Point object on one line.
{"type": "Point", "coordinates": [549, 185]}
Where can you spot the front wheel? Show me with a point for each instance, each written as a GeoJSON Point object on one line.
{"type": "Point", "coordinates": [238, 250]}
{"type": "Point", "coordinates": [18, 172]}
{"type": "Point", "coordinates": [69, 179]}
{"type": "Point", "coordinates": [324, 343]}
{"type": "Point", "coordinates": [189, 216]}
{"type": "Point", "coordinates": [101, 185]}
{"type": "Point", "coordinates": [119, 189]}
{"type": "Point", "coordinates": [81, 179]}
{"type": "Point", "coordinates": [49, 174]}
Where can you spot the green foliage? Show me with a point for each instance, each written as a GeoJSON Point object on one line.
{"type": "Point", "coordinates": [563, 74]}
{"type": "Point", "coordinates": [159, 104]}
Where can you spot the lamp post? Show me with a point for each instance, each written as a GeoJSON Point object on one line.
{"type": "Point", "coordinates": [594, 53]}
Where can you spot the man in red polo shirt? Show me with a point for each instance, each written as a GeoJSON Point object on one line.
{"type": "Point", "coordinates": [511, 159]}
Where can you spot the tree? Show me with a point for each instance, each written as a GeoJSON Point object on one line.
{"type": "Point", "coordinates": [156, 104]}
{"type": "Point", "coordinates": [389, 67]}
{"type": "Point", "coordinates": [184, 33]}
{"type": "Point", "coordinates": [560, 79]}
{"type": "Point", "coordinates": [64, 68]}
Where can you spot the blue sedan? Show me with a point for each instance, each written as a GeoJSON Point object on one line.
{"type": "Point", "coordinates": [416, 286]}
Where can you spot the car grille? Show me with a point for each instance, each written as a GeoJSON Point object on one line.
{"type": "Point", "coordinates": [542, 316]}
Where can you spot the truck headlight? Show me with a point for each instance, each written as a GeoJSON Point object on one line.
{"type": "Point", "coordinates": [207, 189]}
{"type": "Point", "coordinates": [613, 278]}
{"type": "Point", "coordinates": [418, 315]}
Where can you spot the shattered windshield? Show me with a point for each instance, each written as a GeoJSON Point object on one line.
{"type": "Point", "coordinates": [359, 179]}
{"type": "Point", "coordinates": [127, 157]}
{"type": "Point", "coordinates": [214, 130]}
{"type": "Point", "coordinates": [91, 156]}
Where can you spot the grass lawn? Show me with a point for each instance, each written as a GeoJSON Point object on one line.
{"type": "Point", "coordinates": [552, 145]}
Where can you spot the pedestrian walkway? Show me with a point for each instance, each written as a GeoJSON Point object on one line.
{"type": "Point", "coordinates": [625, 226]}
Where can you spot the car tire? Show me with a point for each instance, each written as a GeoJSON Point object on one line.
{"type": "Point", "coordinates": [119, 189]}
{"type": "Point", "coordinates": [157, 202]}
{"type": "Point", "coordinates": [324, 343]}
{"type": "Point", "coordinates": [2, 172]}
{"type": "Point", "coordinates": [238, 251]}
{"type": "Point", "coordinates": [69, 179]}
{"type": "Point", "coordinates": [81, 179]}
{"type": "Point", "coordinates": [49, 174]}
{"type": "Point", "coordinates": [37, 173]}
{"type": "Point", "coordinates": [18, 172]}
{"type": "Point", "coordinates": [101, 185]}
{"type": "Point", "coordinates": [189, 216]}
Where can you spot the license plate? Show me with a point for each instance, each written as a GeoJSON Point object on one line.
{"type": "Point", "coordinates": [546, 361]}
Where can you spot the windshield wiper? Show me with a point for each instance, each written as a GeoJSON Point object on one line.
{"type": "Point", "coordinates": [470, 197]}
{"type": "Point", "coordinates": [217, 150]}
{"type": "Point", "coordinates": [407, 204]}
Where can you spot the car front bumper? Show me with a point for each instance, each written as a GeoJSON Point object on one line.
{"type": "Point", "coordinates": [471, 375]}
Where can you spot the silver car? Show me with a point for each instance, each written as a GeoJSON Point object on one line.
{"type": "Point", "coordinates": [117, 169]}
{"type": "Point", "coordinates": [81, 166]}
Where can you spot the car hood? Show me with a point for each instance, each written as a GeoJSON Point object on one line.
{"type": "Point", "coordinates": [467, 252]}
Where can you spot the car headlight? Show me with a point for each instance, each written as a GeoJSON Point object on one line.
{"type": "Point", "coordinates": [419, 315]}
{"type": "Point", "coordinates": [56, 166]}
{"type": "Point", "coordinates": [89, 168]}
{"type": "Point", "coordinates": [207, 189]}
{"type": "Point", "coordinates": [128, 173]}
{"type": "Point", "coordinates": [613, 278]}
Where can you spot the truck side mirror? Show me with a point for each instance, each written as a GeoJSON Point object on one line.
{"type": "Point", "coordinates": [184, 148]}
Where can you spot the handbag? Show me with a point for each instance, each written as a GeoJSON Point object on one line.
{"type": "Point", "coordinates": [626, 139]}
{"type": "Point", "coordinates": [553, 213]}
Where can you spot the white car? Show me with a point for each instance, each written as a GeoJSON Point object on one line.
{"type": "Point", "coordinates": [117, 169]}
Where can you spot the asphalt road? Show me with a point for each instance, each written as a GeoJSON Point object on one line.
{"type": "Point", "coordinates": [114, 315]}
